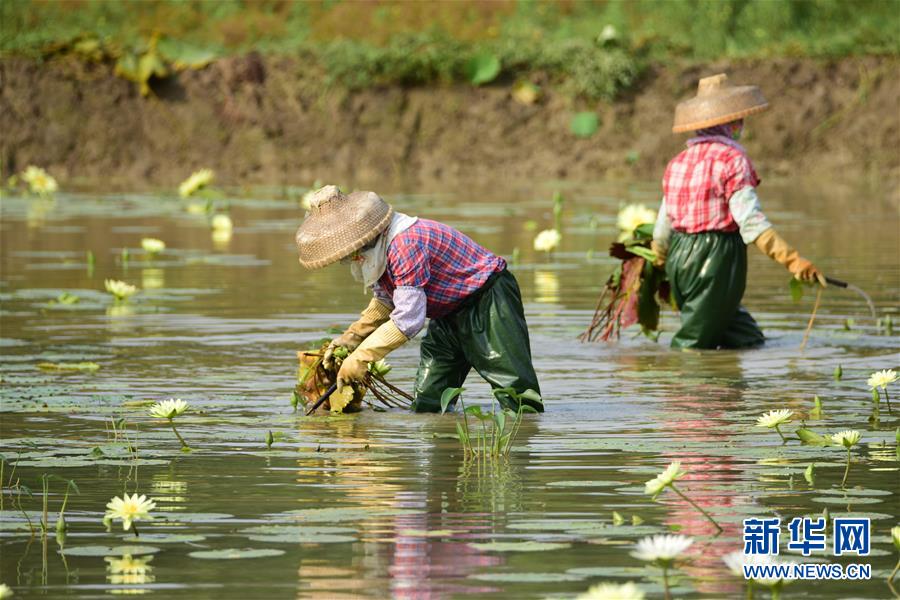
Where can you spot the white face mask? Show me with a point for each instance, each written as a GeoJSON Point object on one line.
{"type": "Point", "coordinates": [370, 264]}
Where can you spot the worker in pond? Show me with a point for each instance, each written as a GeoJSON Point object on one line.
{"type": "Point", "coordinates": [418, 269]}
{"type": "Point", "coordinates": [710, 213]}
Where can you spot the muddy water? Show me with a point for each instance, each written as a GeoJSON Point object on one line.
{"type": "Point", "coordinates": [381, 503]}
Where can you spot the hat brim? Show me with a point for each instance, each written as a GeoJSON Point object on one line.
{"type": "Point", "coordinates": [727, 118]}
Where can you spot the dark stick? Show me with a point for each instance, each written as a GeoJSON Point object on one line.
{"type": "Point", "coordinates": [836, 282]}
{"type": "Point", "coordinates": [324, 397]}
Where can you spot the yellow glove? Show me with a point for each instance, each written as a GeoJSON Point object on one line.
{"type": "Point", "coordinates": [375, 347]}
{"type": "Point", "coordinates": [773, 245]}
{"type": "Point", "coordinates": [371, 318]}
{"type": "Point", "coordinates": [661, 253]}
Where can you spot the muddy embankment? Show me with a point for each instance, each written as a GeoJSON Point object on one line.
{"type": "Point", "coordinates": [268, 120]}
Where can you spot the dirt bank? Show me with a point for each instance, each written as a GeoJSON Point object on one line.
{"type": "Point", "coordinates": [268, 120]}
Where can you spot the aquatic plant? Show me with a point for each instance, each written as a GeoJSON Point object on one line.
{"type": "Point", "coordinates": [152, 246]}
{"type": "Point", "coordinates": [846, 439]}
{"type": "Point", "coordinates": [838, 373]}
{"type": "Point", "coordinates": [774, 418]}
{"type": "Point", "coordinates": [613, 591]}
{"type": "Point", "coordinates": [809, 474]}
{"type": "Point", "coordinates": [631, 217]}
{"type": "Point", "coordinates": [61, 526]}
{"type": "Point", "coordinates": [498, 428]}
{"type": "Point", "coordinates": [39, 181]}
{"type": "Point", "coordinates": [736, 560]}
{"type": "Point", "coordinates": [222, 222]}
{"type": "Point", "coordinates": [547, 240]}
{"type": "Point", "coordinates": [881, 379]}
{"type": "Point", "coordinates": [584, 124]}
{"type": "Point", "coordinates": [895, 538]}
{"type": "Point", "coordinates": [129, 509]}
{"type": "Point", "coordinates": [5, 591]}
{"type": "Point", "coordinates": [662, 550]}
{"type": "Point", "coordinates": [169, 409]}
{"type": "Point", "coordinates": [196, 182]}
{"type": "Point", "coordinates": [121, 290]}
{"type": "Point", "coordinates": [667, 479]}
{"type": "Point", "coordinates": [558, 202]}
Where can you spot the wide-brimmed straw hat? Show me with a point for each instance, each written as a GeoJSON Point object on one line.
{"type": "Point", "coordinates": [337, 225]}
{"type": "Point", "coordinates": [717, 102]}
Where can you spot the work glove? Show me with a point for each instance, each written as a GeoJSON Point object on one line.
{"type": "Point", "coordinates": [773, 245]}
{"type": "Point", "coordinates": [369, 320]}
{"type": "Point", "coordinates": [661, 253]}
{"type": "Point", "coordinates": [376, 346]}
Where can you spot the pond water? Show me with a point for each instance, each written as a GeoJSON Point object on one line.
{"type": "Point", "coordinates": [382, 504]}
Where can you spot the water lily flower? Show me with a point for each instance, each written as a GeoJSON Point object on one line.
{"type": "Point", "coordinates": [662, 549]}
{"type": "Point", "coordinates": [222, 223]}
{"type": "Point", "coordinates": [126, 565]}
{"type": "Point", "coordinates": [631, 217]}
{"type": "Point", "coordinates": [774, 418]}
{"type": "Point", "coordinates": [895, 536]}
{"type": "Point", "coordinates": [120, 289]}
{"type": "Point", "coordinates": [881, 379]}
{"type": "Point", "coordinates": [153, 245]}
{"type": "Point", "coordinates": [5, 591]}
{"type": "Point", "coordinates": [847, 439]}
{"type": "Point", "coordinates": [655, 486]}
{"type": "Point", "coordinates": [547, 240]}
{"type": "Point", "coordinates": [129, 509]}
{"type": "Point", "coordinates": [168, 409]}
{"type": "Point", "coordinates": [197, 181]}
{"type": "Point", "coordinates": [613, 591]}
{"type": "Point", "coordinates": [39, 181]}
{"type": "Point", "coordinates": [737, 559]}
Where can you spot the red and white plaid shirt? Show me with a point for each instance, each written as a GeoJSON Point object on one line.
{"type": "Point", "coordinates": [700, 181]}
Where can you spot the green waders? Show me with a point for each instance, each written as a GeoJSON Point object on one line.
{"type": "Point", "coordinates": [708, 273]}
{"type": "Point", "coordinates": [487, 333]}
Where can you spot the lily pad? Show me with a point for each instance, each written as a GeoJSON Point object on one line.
{"type": "Point", "coordinates": [166, 538]}
{"type": "Point", "coordinates": [79, 366]}
{"type": "Point", "coordinates": [233, 553]}
{"type": "Point", "coordinates": [527, 577]}
{"type": "Point", "coordinates": [529, 546]}
{"type": "Point", "coordinates": [583, 483]}
{"type": "Point", "coordinates": [109, 550]}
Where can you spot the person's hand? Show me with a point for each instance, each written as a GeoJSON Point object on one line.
{"type": "Point", "coordinates": [661, 254]}
{"type": "Point", "coordinates": [348, 340]}
{"type": "Point", "coordinates": [804, 270]}
{"type": "Point", "coordinates": [353, 370]}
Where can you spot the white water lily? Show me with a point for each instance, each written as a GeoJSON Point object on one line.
{"type": "Point", "coordinates": [613, 591]}
{"type": "Point", "coordinates": [547, 240]}
{"type": "Point", "coordinates": [120, 289]}
{"type": "Point", "coordinates": [631, 217]}
{"type": "Point", "coordinates": [895, 536]}
{"type": "Point", "coordinates": [774, 418]}
{"type": "Point", "coordinates": [672, 473]}
{"type": "Point", "coordinates": [153, 245]}
{"type": "Point", "coordinates": [847, 439]}
{"type": "Point", "coordinates": [197, 181]}
{"type": "Point", "coordinates": [737, 559]}
{"type": "Point", "coordinates": [168, 409]}
{"type": "Point", "coordinates": [222, 223]}
{"type": "Point", "coordinates": [129, 509]}
{"type": "Point", "coordinates": [5, 591]}
{"type": "Point", "coordinates": [39, 181]}
{"type": "Point", "coordinates": [662, 549]}
{"type": "Point", "coordinates": [881, 379]}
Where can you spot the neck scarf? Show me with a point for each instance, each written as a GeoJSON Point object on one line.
{"type": "Point", "coordinates": [373, 262]}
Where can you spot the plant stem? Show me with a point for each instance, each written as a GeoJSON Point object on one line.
{"type": "Point", "coordinates": [134, 526]}
{"type": "Point", "coordinates": [45, 520]}
{"type": "Point", "coordinates": [178, 435]}
{"type": "Point", "coordinates": [888, 400]}
{"type": "Point", "coordinates": [783, 439]}
{"type": "Point", "coordinates": [847, 470]}
{"type": "Point", "coordinates": [749, 589]}
{"type": "Point", "coordinates": [695, 505]}
{"type": "Point", "coordinates": [668, 594]}
{"type": "Point", "coordinates": [894, 572]}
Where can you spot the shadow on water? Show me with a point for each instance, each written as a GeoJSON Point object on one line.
{"type": "Point", "coordinates": [383, 504]}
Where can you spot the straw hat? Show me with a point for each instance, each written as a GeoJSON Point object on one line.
{"type": "Point", "coordinates": [337, 225]}
{"type": "Point", "coordinates": [717, 102]}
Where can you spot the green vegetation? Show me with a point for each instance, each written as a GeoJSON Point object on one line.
{"type": "Point", "coordinates": [590, 49]}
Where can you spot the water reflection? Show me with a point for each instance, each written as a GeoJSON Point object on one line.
{"type": "Point", "coordinates": [129, 571]}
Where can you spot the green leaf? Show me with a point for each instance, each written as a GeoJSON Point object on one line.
{"type": "Point", "coordinates": [618, 519]}
{"type": "Point", "coordinates": [483, 68]}
{"type": "Point", "coordinates": [644, 231]}
{"type": "Point", "coordinates": [530, 394]}
{"type": "Point", "coordinates": [80, 366]}
{"type": "Point", "coordinates": [448, 396]}
{"type": "Point", "coordinates": [475, 411]}
{"type": "Point", "coordinates": [812, 438]}
{"type": "Point", "coordinates": [809, 474]}
{"type": "Point", "coordinates": [584, 124]}
{"type": "Point", "coordinates": [461, 432]}
{"type": "Point", "coordinates": [183, 55]}
{"type": "Point", "coordinates": [500, 422]}
{"type": "Point", "coordinates": [645, 253]}
{"type": "Point", "coordinates": [796, 287]}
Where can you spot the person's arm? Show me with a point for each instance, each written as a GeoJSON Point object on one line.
{"type": "Point", "coordinates": [375, 314]}
{"type": "Point", "coordinates": [662, 235]}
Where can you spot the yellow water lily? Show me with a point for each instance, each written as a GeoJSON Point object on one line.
{"type": "Point", "coordinates": [129, 509]}
{"type": "Point", "coordinates": [613, 591]}
{"type": "Point", "coordinates": [39, 181]}
{"type": "Point", "coordinates": [222, 223]}
{"type": "Point", "coordinates": [547, 240]}
{"type": "Point", "coordinates": [672, 474]}
{"type": "Point", "coordinates": [196, 182]}
{"type": "Point", "coordinates": [126, 565]}
{"type": "Point", "coordinates": [631, 217]}
{"type": "Point", "coordinates": [120, 289]}
{"type": "Point", "coordinates": [168, 409]}
{"type": "Point", "coordinates": [153, 245]}
{"type": "Point", "coordinates": [895, 536]}
{"type": "Point", "coordinates": [881, 379]}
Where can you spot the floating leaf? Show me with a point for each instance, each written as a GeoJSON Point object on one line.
{"type": "Point", "coordinates": [166, 538]}
{"type": "Point", "coordinates": [529, 546]}
{"type": "Point", "coordinates": [584, 124]}
{"type": "Point", "coordinates": [108, 550]}
{"type": "Point", "coordinates": [527, 577]}
{"type": "Point", "coordinates": [80, 366]}
{"type": "Point", "coordinates": [233, 553]}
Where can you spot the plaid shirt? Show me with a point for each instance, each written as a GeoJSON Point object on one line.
{"type": "Point", "coordinates": [699, 183]}
{"type": "Point", "coordinates": [445, 263]}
